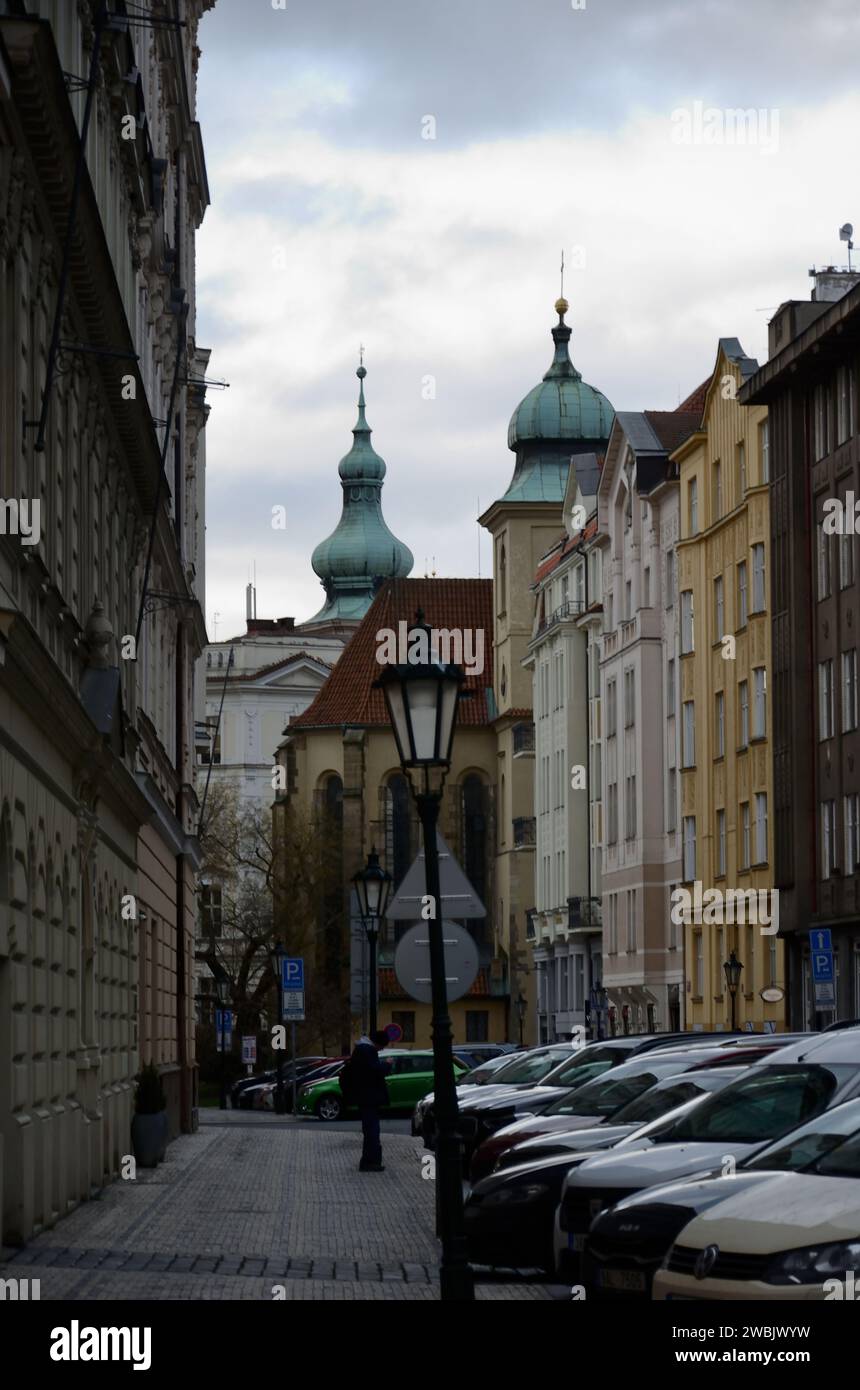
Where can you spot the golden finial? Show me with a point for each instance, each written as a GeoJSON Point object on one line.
{"type": "Point", "coordinates": [561, 307]}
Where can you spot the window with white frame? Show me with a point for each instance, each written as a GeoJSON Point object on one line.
{"type": "Point", "coordinates": [693, 505]}
{"type": "Point", "coordinates": [690, 849]}
{"type": "Point", "coordinates": [745, 836]}
{"type": "Point", "coordinates": [759, 702]}
{"type": "Point", "coordinates": [825, 700]}
{"type": "Point", "coordinates": [758, 590]}
{"type": "Point", "coordinates": [741, 460]}
{"type": "Point", "coordinates": [630, 808]}
{"type": "Point", "coordinates": [672, 802]}
{"type": "Point", "coordinates": [699, 953]}
{"type": "Point", "coordinates": [717, 491]}
{"type": "Point", "coordinates": [671, 577]}
{"type": "Point", "coordinates": [822, 552]}
{"type": "Point", "coordinates": [760, 827]}
{"type": "Point", "coordinates": [631, 920]}
{"type": "Point", "coordinates": [764, 451]}
{"type": "Point", "coordinates": [828, 838]}
{"type": "Point", "coordinates": [670, 687]}
{"type": "Point", "coordinates": [578, 983]}
{"type": "Point", "coordinates": [744, 713]}
{"type": "Point", "coordinates": [611, 708]}
{"type": "Point", "coordinates": [646, 587]}
{"type": "Point", "coordinates": [563, 984]}
{"type": "Point", "coordinates": [821, 420]}
{"type": "Point", "coordinates": [612, 813]}
{"type": "Point", "coordinates": [720, 723]}
{"type": "Point", "coordinates": [687, 633]}
{"type": "Point", "coordinates": [719, 608]}
{"type": "Point", "coordinates": [851, 820]}
{"type": "Point", "coordinates": [742, 594]}
{"type": "Point", "coordinates": [849, 690]}
{"type": "Point", "coordinates": [847, 543]}
{"type": "Point", "coordinates": [721, 843]}
{"type": "Point", "coordinates": [845, 426]}
{"type": "Point", "coordinates": [688, 734]}
{"type": "Point", "coordinates": [629, 698]}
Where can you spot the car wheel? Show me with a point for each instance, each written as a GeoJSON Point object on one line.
{"type": "Point", "coordinates": [329, 1108]}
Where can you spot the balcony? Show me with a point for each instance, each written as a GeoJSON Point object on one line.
{"type": "Point", "coordinates": [524, 739]}
{"type": "Point", "coordinates": [524, 832]}
{"type": "Point", "coordinates": [570, 608]}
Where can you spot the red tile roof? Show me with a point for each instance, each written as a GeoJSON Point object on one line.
{"type": "Point", "coordinates": [672, 427]}
{"type": "Point", "coordinates": [348, 697]}
{"type": "Point", "coordinates": [695, 402]}
{"type": "Point", "coordinates": [563, 548]}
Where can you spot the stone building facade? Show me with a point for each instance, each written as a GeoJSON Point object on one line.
{"type": "Point", "coordinates": [97, 812]}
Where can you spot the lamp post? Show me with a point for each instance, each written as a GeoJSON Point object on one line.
{"type": "Point", "coordinates": [373, 886]}
{"type": "Point", "coordinates": [733, 968]}
{"type": "Point", "coordinates": [422, 697]}
{"type": "Point", "coordinates": [222, 988]}
{"type": "Point", "coordinates": [522, 1005]}
{"type": "Point", "coordinates": [276, 956]}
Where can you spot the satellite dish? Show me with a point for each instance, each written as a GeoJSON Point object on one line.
{"type": "Point", "coordinates": [846, 232]}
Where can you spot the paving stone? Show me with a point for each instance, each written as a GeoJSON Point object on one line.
{"type": "Point", "coordinates": [366, 1270]}
{"type": "Point", "coordinates": [323, 1269]}
{"type": "Point", "coordinates": [344, 1269]}
{"type": "Point", "coordinates": [136, 1262]}
{"type": "Point", "coordinates": [160, 1263]}
{"type": "Point", "coordinates": [183, 1264]}
{"type": "Point", "coordinates": [205, 1265]}
{"type": "Point", "coordinates": [253, 1267]}
{"type": "Point", "coordinates": [91, 1259]}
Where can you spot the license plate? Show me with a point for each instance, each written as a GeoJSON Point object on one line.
{"type": "Point", "coordinates": [630, 1280]}
{"type": "Point", "coordinates": [575, 1240]}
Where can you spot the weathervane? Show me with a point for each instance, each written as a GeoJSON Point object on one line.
{"type": "Point", "coordinates": [561, 294]}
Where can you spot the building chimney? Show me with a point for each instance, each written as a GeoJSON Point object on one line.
{"type": "Point", "coordinates": [831, 282]}
{"type": "Point", "coordinates": [250, 602]}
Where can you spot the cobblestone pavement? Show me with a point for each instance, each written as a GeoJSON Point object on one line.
{"type": "Point", "coordinates": [255, 1211]}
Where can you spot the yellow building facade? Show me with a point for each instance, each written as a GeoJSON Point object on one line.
{"type": "Point", "coordinates": [723, 563]}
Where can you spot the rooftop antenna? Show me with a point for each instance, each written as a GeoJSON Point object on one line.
{"type": "Point", "coordinates": [846, 232]}
{"type": "Point", "coordinates": [215, 617]}
{"type": "Point", "coordinates": [361, 354]}
{"type": "Point", "coordinates": [561, 294]}
{"type": "Point", "coordinates": [479, 539]}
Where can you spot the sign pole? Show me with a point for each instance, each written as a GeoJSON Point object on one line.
{"type": "Point", "coordinates": [293, 1036]}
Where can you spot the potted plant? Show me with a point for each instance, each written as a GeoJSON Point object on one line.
{"type": "Point", "coordinates": [149, 1126]}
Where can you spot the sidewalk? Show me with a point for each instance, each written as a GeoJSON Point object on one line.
{"type": "Point", "coordinates": [252, 1211]}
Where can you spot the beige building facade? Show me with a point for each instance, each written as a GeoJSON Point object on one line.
{"type": "Point", "coordinates": [97, 817]}
{"type": "Point", "coordinates": [724, 712]}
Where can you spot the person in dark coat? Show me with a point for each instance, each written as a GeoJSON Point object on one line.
{"type": "Point", "coordinates": [364, 1078]}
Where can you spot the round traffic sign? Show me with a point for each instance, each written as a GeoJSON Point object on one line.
{"type": "Point", "coordinates": [412, 960]}
{"type": "Point", "coordinates": [393, 1032]}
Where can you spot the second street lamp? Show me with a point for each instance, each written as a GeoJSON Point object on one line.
{"type": "Point", "coordinates": [276, 960]}
{"type": "Point", "coordinates": [733, 968]}
{"type": "Point", "coordinates": [373, 886]}
{"type": "Point", "coordinates": [422, 697]}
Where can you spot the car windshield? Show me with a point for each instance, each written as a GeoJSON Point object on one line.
{"type": "Point", "coordinates": [829, 1145]}
{"type": "Point", "coordinates": [604, 1095]}
{"type": "Point", "coordinates": [762, 1105]}
{"type": "Point", "coordinates": [531, 1068]}
{"type": "Point", "coordinates": [656, 1102]}
{"type": "Point", "coordinates": [491, 1068]}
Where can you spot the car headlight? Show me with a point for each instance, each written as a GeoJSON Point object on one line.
{"type": "Point", "coordinates": [508, 1195]}
{"type": "Point", "coordinates": [815, 1262]}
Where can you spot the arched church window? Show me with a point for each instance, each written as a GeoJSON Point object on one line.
{"type": "Point", "coordinates": [398, 827]}
{"type": "Point", "coordinates": [503, 578]}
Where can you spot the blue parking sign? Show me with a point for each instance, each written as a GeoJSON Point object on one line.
{"type": "Point", "coordinates": [293, 973]}
{"type": "Point", "coordinates": [822, 966]}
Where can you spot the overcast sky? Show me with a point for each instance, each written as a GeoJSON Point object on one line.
{"type": "Point", "coordinates": [335, 222]}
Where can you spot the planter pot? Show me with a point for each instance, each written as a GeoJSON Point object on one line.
{"type": "Point", "coordinates": [149, 1138]}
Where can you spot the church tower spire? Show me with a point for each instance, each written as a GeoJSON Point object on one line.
{"type": "Point", "coordinates": [361, 551]}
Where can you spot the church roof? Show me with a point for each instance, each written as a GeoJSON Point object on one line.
{"type": "Point", "coordinates": [348, 696]}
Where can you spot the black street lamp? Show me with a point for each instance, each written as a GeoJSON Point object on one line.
{"type": "Point", "coordinates": [733, 968]}
{"type": "Point", "coordinates": [422, 697]}
{"type": "Point", "coordinates": [222, 989]}
{"type": "Point", "coordinates": [276, 956]}
{"type": "Point", "coordinates": [522, 1006]}
{"type": "Point", "coordinates": [373, 886]}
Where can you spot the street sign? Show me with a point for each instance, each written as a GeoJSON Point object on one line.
{"type": "Point", "coordinates": [393, 1032]}
{"type": "Point", "coordinates": [412, 961]}
{"type": "Point", "coordinates": [294, 1006]}
{"type": "Point", "coordinates": [821, 939]}
{"type": "Point", "coordinates": [822, 967]}
{"type": "Point", "coordinates": [825, 994]}
{"type": "Point", "coordinates": [249, 1050]}
{"type": "Point", "coordinates": [223, 1028]}
{"type": "Point", "coordinates": [292, 973]}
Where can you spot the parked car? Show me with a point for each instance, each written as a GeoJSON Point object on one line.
{"type": "Point", "coordinates": [245, 1083]}
{"type": "Point", "coordinates": [523, 1068]}
{"type": "Point", "coordinates": [783, 1228]}
{"type": "Point", "coordinates": [260, 1096]}
{"type": "Point", "coordinates": [588, 1104]}
{"type": "Point", "coordinates": [410, 1075]}
{"type": "Point", "coordinates": [479, 1076]}
{"type": "Point", "coordinates": [774, 1096]}
{"type": "Point", "coordinates": [510, 1215]}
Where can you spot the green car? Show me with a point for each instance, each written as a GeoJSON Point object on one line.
{"type": "Point", "coordinates": [410, 1076]}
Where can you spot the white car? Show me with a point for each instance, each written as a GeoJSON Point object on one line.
{"type": "Point", "coordinates": [793, 1236]}
{"type": "Point", "coordinates": [772, 1098]}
